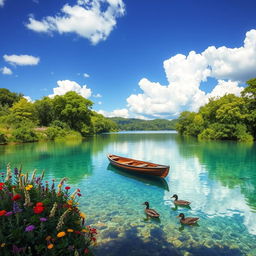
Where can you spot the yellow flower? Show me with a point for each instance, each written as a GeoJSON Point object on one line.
{"type": "Point", "coordinates": [28, 187]}
{"type": "Point", "coordinates": [70, 230]}
{"type": "Point", "coordinates": [3, 245]}
{"type": "Point", "coordinates": [48, 238]}
{"type": "Point", "coordinates": [82, 215]}
{"type": "Point", "coordinates": [50, 246]}
{"type": "Point", "coordinates": [85, 230]}
{"type": "Point", "coordinates": [59, 185]}
{"type": "Point", "coordinates": [61, 234]}
{"type": "Point", "coordinates": [70, 202]}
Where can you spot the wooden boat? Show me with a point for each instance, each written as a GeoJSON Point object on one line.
{"type": "Point", "coordinates": [138, 166]}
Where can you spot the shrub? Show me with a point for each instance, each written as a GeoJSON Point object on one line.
{"type": "Point", "coordinates": [24, 134]}
{"type": "Point", "coordinates": [41, 219]}
{"type": "Point", "coordinates": [3, 138]}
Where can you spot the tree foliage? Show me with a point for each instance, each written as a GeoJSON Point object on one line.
{"type": "Point", "coordinates": [226, 118]}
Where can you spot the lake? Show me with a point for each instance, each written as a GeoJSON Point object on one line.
{"type": "Point", "coordinates": [219, 178]}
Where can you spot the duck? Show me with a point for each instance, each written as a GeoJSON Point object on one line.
{"type": "Point", "coordinates": [151, 212]}
{"type": "Point", "coordinates": [180, 202]}
{"type": "Point", "coordinates": [188, 220]}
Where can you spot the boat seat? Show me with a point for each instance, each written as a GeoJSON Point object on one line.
{"type": "Point", "coordinates": [129, 162]}
{"type": "Point", "coordinates": [141, 165]}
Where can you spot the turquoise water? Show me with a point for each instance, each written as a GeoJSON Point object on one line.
{"type": "Point", "coordinates": [219, 178]}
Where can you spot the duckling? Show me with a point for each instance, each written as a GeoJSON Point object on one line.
{"type": "Point", "coordinates": [188, 220]}
{"type": "Point", "coordinates": [151, 212]}
{"type": "Point", "coordinates": [179, 202]}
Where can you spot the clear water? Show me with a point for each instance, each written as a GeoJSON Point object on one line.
{"type": "Point", "coordinates": [219, 178]}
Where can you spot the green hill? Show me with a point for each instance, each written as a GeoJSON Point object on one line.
{"type": "Point", "coordinates": [132, 124]}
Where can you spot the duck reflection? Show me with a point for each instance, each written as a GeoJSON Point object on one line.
{"type": "Point", "coordinates": [177, 207]}
{"type": "Point", "coordinates": [153, 181]}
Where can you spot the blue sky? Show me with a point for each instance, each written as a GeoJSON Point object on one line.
{"type": "Point", "coordinates": [146, 59]}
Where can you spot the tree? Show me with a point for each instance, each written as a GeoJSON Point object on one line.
{"type": "Point", "coordinates": [9, 98]}
{"type": "Point", "coordinates": [44, 110]}
{"type": "Point", "coordinates": [72, 109]}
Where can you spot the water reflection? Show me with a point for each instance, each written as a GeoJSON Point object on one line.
{"type": "Point", "coordinates": [147, 180]}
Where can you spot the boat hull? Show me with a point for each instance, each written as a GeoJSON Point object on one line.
{"type": "Point", "coordinates": [137, 166]}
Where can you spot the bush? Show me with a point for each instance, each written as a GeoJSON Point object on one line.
{"type": "Point", "coordinates": [24, 134]}
{"type": "Point", "coordinates": [41, 219]}
{"type": "Point", "coordinates": [3, 138]}
{"type": "Point", "coordinates": [54, 132]}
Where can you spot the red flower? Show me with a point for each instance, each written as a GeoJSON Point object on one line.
{"type": "Point", "coordinates": [1, 188]}
{"type": "Point", "coordinates": [16, 197]}
{"type": "Point", "coordinates": [86, 250]}
{"type": "Point", "coordinates": [77, 232]}
{"type": "Point", "coordinates": [40, 204]}
{"type": "Point", "coordinates": [79, 194]}
{"type": "Point", "coordinates": [67, 188]}
{"type": "Point", "coordinates": [38, 209]}
{"type": "Point", "coordinates": [93, 239]}
{"type": "Point", "coordinates": [1, 183]}
{"type": "Point", "coordinates": [3, 212]}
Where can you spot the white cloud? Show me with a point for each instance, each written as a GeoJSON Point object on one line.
{"type": "Point", "coordinates": [6, 71]}
{"type": "Point", "coordinates": [97, 95]}
{"type": "Point", "coordinates": [229, 66]}
{"type": "Point", "coordinates": [21, 60]}
{"type": "Point", "coordinates": [2, 3]}
{"type": "Point", "coordinates": [86, 75]}
{"type": "Point", "coordinates": [115, 113]}
{"type": "Point", "coordinates": [100, 103]}
{"type": "Point", "coordinates": [65, 86]}
{"type": "Point", "coordinates": [28, 98]}
{"type": "Point", "coordinates": [91, 19]}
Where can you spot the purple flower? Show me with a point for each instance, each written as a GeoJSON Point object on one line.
{"type": "Point", "coordinates": [29, 228]}
{"type": "Point", "coordinates": [9, 213]}
{"type": "Point", "coordinates": [43, 219]}
{"type": "Point", "coordinates": [16, 208]}
{"type": "Point", "coordinates": [16, 171]}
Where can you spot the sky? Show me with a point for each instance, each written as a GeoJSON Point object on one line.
{"type": "Point", "coordinates": [139, 59]}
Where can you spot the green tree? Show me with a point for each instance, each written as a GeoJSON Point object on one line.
{"type": "Point", "coordinates": [44, 108]}
{"type": "Point", "coordinates": [9, 98]}
{"type": "Point", "coordinates": [73, 109]}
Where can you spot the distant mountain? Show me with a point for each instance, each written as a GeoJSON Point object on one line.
{"type": "Point", "coordinates": [132, 124]}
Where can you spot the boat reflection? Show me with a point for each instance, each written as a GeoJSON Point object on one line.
{"type": "Point", "coordinates": [153, 181]}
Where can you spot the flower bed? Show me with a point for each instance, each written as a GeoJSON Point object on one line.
{"type": "Point", "coordinates": [40, 218]}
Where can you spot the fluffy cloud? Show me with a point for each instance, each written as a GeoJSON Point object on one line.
{"type": "Point", "coordinates": [91, 19]}
{"type": "Point", "coordinates": [1, 3]}
{"type": "Point", "coordinates": [86, 75]}
{"type": "Point", "coordinates": [116, 113]}
{"type": "Point", "coordinates": [97, 95]}
{"type": "Point", "coordinates": [28, 98]}
{"type": "Point", "coordinates": [65, 86]}
{"type": "Point", "coordinates": [6, 71]}
{"type": "Point", "coordinates": [229, 66]}
{"type": "Point", "coordinates": [21, 60]}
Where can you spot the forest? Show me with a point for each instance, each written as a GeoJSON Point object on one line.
{"type": "Point", "coordinates": [225, 118]}
{"type": "Point", "coordinates": [63, 117]}
{"type": "Point", "coordinates": [133, 124]}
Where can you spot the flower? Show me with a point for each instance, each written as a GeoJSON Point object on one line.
{"type": "Point", "coordinates": [3, 212]}
{"type": "Point", "coordinates": [86, 251]}
{"type": "Point", "coordinates": [38, 209]}
{"type": "Point", "coordinates": [16, 208]}
{"type": "Point", "coordinates": [29, 187]}
{"type": "Point", "coordinates": [79, 194]}
{"type": "Point", "coordinates": [2, 245]}
{"type": "Point", "coordinates": [43, 219]}
{"type": "Point", "coordinates": [67, 188]}
{"type": "Point", "coordinates": [29, 228]}
{"type": "Point", "coordinates": [82, 215]}
{"type": "Point", "coordinates": [48, 238]}
{"type": "Point", "coordinates": [16, 197]}
{"type": "Point", "coordinates": [50, 246]}
{"type": "Point", "coordinates": [61, 234]}
{"type": "Point", "coordinates": [70, 230]}
{"type": "Point", "coordinates": [40, 204]}
{"type": "Point", "coordinates": [9, 213]}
